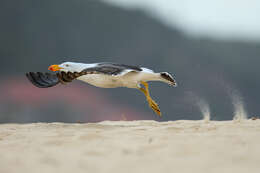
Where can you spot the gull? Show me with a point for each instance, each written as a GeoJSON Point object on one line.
{"type": "Point", "coordinates": [103, 75]}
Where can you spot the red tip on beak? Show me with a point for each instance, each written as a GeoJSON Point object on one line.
{"type": "Point", "coordinates": [55, 68]}
{"type": "Point", "coordinates": [50, 68]}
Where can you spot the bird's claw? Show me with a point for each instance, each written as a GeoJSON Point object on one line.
{"type": "Point", "coordinates": [155, 107]}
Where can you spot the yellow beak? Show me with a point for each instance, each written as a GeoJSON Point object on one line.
{"type": "Point", "coordinates": [55, 68]}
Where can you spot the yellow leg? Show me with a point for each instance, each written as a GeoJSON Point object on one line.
{"type": "Point", "coordinates": [150, 101]}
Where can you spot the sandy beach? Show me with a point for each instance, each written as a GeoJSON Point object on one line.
{"type": "Point", "coordinates": [131, 146]}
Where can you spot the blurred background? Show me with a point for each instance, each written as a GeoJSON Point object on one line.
{"type": "Point", "coordinates": [211, 47]}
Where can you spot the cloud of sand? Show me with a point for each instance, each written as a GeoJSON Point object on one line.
{"type": "Point", "coordinates": [202, 105]}
{"type": "Point", "coordinates": [240, 112]}
{"type": "Point", "coordinates": [239, 109]}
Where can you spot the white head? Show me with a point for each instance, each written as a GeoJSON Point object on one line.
{"type": "Point", "coordinates": [68, 67]}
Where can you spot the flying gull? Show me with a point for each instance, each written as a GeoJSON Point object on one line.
{"type": "Point", "coordinates": [104, 75]}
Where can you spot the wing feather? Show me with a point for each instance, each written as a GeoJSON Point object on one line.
{"type": "Point", "coordinates": [42, 80]}
{"type": "Point", "coordinates": [112, 69]}
{"type": "Point", "coordinates": [46, 80]}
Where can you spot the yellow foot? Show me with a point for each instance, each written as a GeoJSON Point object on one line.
{"type": "Point", "coordinates": [155, 107]}
{"type": "Point", "coordinates": [150, 101]}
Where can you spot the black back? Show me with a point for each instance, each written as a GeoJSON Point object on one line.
{"type": "Point", "coordinates": [112, 68]}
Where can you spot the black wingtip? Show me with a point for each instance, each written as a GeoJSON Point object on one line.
{"type": "Point", "coordinates": [42, 80]}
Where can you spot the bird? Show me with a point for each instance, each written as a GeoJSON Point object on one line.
{"type": "Point", "coordinates": [103, 75]}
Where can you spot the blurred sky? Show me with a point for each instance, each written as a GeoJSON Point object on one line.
{"type": "Point", "coordinates": [231, 19]}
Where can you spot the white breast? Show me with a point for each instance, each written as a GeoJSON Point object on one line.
{"type": "Point", "coordinates": [101, 80]}
{"type": "Point", "coordinates": [130, 79]}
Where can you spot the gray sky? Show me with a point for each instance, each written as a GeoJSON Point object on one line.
{"type": "Point", "coordinates": [239, 19]}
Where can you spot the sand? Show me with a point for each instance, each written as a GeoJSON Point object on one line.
{"type": "Point", "coordinates": [136, 146]}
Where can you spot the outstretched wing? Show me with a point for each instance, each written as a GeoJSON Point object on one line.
{"type": "Point", "coordinates": [46, 80]}
{"type": "Point", "coordinates": [42, 80]}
